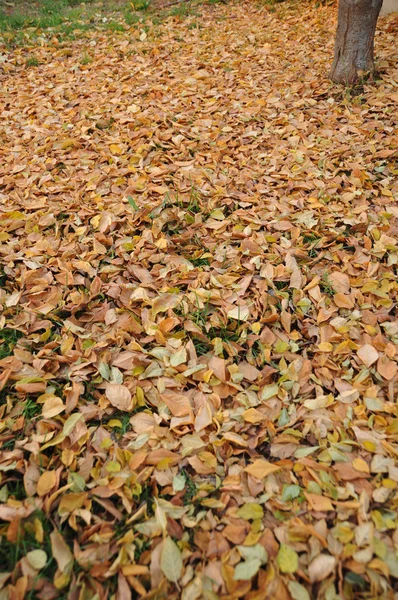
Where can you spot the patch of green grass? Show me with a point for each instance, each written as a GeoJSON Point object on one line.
{"type": "Point", "coordinates": [115, 26]}
{"type": "Point", "coordinates": [10, 444]}
{"type": "Point", "coordinates": [190, 487]}
{"type": "Point", "coordinates": [124, 419]}
{"type": "Point", "coordinates": [194, 205]}
{"type": "Point", "coordinates": [15, 489]}
{"type": "Point", "coordinates": [326, 285]}
{"type": "Point", "coordinates": [13, 21]}
{"type": "Point", "coordinates": [200, 316]}
{"type": "Point", "coordinates": [131, 18]}
{"type": "Point", "coordinates": [182, 10]}
{"type": "Point", "coordinates": [31, 409]}
{"type": "Point", "coordinates": [145, 495]}
{"type": "Point", "coordinates": [66, 18]}
{"type": "Point", "coordinates": [32, 61]}
{"type": "Point", "coordinates": [140, 4]}
{"type": "Point", "coordinates": [140, 547]}
{"type": "Point", "coordinates": [313, 252]}
{"type": "Point", "coordinates": [9, 337]}
{"type": "Point", "coordinates": [225, 333]}
{"type": "Point", "coordinates": [172, 228]}
{"type": "Point", "coordinates": [308, 238]}
{"type": "Point", "coordinates": [70, 30]}
{"type": "Point", "coordinates": [3, 279]}
{"type": "Point", "coordinates": [12, 552]}
{"type": "Point", "coordinates": [201, 346]}
{"type": "Point", "coordinates": [200, 262]}
{"type": "Point", "coordinates": [85, 59]}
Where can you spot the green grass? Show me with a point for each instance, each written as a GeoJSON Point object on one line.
{"type": "Point", "coordinates": [22, 21]}
{"type": "Point", "coordinates": [124, 419]}
{"type": "Point", "coordinates": [201, 346]}
{"type": "Point", "coordinates": [12, 552]}
{"type": "Point", "coordinates": [65, 18]}
{"type": "Point", "coordinates": [32, 61]}
{"type": "Point", "coordinates": [27, 539]}
{"type": "Point", "coordinates": [140, 4]}
{"type": "Point", "coordinates": [198, 262]}
{"type": "Point", "coordinates": [31, 409]}
{"type": "Point", "coordinates": [184, 9]}
{"type": "Point", "coordinates": [8, 340]}
{"type": "Point", "coordinates": [190, 488]}
{"type": "Point", "coordinates": [85, 59]}
{"type": "Point", "coordinates": [326, 286]}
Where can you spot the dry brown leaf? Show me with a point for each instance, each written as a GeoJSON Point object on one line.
{"type": "Point", "coordinates": [198, 282]}
{"type": "Point", "coordinates": [321, 567]}
{"type": "Point", "coordinates": [119, 396]}
{"type": "Point", "coordinates": [368, 355]}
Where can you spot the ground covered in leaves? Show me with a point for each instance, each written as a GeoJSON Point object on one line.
{"type": "Point", "coordinates": [198, 313]}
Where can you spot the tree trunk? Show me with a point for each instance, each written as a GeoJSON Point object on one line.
{"type": "Point", "coordinates": [353, 51]}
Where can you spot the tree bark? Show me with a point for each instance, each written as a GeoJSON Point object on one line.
{"type": "Point", "coordinates": [354, 46]}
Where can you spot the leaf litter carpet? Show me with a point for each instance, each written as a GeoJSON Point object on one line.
{"type": "Point", "coordinates": [199, 331]}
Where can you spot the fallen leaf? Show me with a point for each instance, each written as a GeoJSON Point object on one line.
{"type": "Point", "coordinates": [119, 396]}
{"type": "Point", "coordinates": [261, 468]}
{"type": "Point", "coordinates": [287, 559]}
{"type": "Point", "coordinates": [321, 567]}
{"type": "Point", "coordinates": [368, 355]}
{"type": "Point", "coordinates": [46, 482]}
{"type": "Point", "coordinates": [37, 559]}
{"type": "Point", "coordinates": [171, 560]}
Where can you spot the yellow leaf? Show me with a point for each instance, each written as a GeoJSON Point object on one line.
{"type": "Point", "coordinates": [115, 149]}
{"type": "Point", "coordinates": [164, 302]}
{"type": "Point", "coordinates": [361, 465]}
{"type": "Point", "coordinates": [256, 328]}
{"type": "Point", "coordinates": [37, 559]}
{"type": "Point", "coordinates": [253, 415]}
{"type": "Point", "coordinates": [115, 423]}
{"type": "Point", "coordinates": [287, 559]}
{"type": "Point", "coordinates": [68, 144]}
{"type": "Point", "coordinates": [250, 510]}
{"type": "Point", "coordinates": [343, 300]}
{"type": "Point", "coordinates": [113, 467]}
{"type": "Point", "coordinates": [46, 482]}
{"type": "Point", "coordinates": [325, 347]}
{"type": "Point", "coordinates": [261, 468]}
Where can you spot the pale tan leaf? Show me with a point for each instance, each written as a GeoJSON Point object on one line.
{"type": "Point", "coordinates": [171, 560]}
{"type": "Point", "coordinates": [119, 396]}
